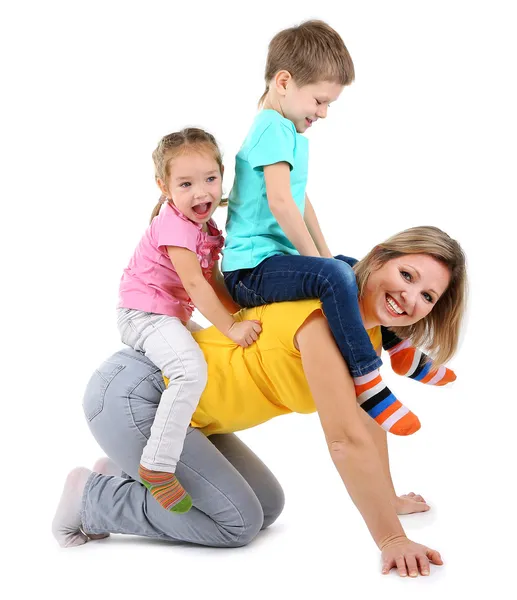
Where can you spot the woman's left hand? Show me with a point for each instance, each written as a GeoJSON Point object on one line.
{"type": "Point", "coordinates": [410, 503]}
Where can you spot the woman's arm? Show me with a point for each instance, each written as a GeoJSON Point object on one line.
{"type": "Point", "coordinates": [352, 449]}
{"type": "Point", "coordinates": [407, 503]}
{"type": "Point", "coordinates": [284, 209]}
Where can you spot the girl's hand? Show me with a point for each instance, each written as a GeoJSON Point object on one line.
{"type": "Point", "coordinates": [408, 504]}
{"type": "Point", "coordinates": [244, 333]}
{"type": "Point", "coordinates": [408, 557]}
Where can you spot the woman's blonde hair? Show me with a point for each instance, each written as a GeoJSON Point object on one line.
{"type": "Point", "coordinates": [190, 139]}
{"type": "Point", "coordinates": [438, 332]}
{"type": "Point", "coordinates": [311, 52]}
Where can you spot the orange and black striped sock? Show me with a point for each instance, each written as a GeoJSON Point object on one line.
{"type": "Point", "coordinates": [410, 362]}
{"type": "Point", "coordinates": [166, 489]}
{"type": "Point", "coordinates": [378, 401]}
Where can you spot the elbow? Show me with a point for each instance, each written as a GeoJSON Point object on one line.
{"type": "Point", "coordinates": [277, 203]}
{"type": "Point", "coordinates": [193, 285]}
{"type": "Point", "coordinates": [345, 445]}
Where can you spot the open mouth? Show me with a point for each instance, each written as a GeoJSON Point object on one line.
{"type": "Point", "coordinates": [202, 210]}
{"type": "Point", "coordinates": [308, 122]}
{"type": "Point", "coordinates": [393, 307]}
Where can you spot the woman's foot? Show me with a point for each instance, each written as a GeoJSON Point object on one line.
{"type": "Point", "coordinates": [104, 466]}
{"type": "Point", "coordinates": [66, 525]}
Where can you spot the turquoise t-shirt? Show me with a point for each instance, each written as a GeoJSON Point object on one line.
{"type": "Point", "coordinates": [252, 232]}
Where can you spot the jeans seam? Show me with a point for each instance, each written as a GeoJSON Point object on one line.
{"type": "Point", "coordinates": [243, 522]}
{"type": "Point", "coordinates": [157, 330]}
{"type": "Point", "coordinates": [128, 399]}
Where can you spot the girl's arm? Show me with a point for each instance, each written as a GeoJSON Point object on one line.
{"type": "Point", "coordinates": [206, 301]}
{"type": "Point", "coordinates": [219, 287]}
{"type": "Point", "coordinates": [284, 209]}
{"type": "Point", "coordinates": [353, 451]}
{"type": "Point", "coordinates": [315, 230]}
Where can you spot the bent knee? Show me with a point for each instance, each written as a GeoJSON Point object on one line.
{"type": "Point", "coordinates": [190, 370]}
{"type": "Point", "coordinates": [274, 506]}
{"type": "Point", "coordinates": [337, 271]}
{"type": "Point", "coordinates": [236, 536]}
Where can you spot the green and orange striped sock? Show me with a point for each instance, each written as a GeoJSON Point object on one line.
{"type": "Point", "coordinates": [378, 401]}
{"type": "Point", "coordinates": [166, 489]}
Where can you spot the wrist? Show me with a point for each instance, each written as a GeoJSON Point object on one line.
{"type": "Point", "coordinates": [392, 540]}
{"type": "Point", "coordinates": [228, 325]}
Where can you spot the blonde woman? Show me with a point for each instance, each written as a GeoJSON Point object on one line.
{"type": "Point", "coordinates": [295, 366]}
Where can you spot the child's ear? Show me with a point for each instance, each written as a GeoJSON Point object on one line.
{"type": "Point", "coordinates": [163, 187]}
{"type": "Point", "coordinates": [282, 78]}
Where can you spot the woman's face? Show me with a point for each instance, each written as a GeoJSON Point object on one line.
{"type": "Point", "coordinates": [403, 290]}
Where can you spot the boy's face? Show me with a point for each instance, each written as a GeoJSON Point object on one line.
{"type": "Point", "coordinates": [306, 104]}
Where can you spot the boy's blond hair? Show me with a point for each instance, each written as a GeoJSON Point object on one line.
{"type": "Point", "coordinates": [311, 52]}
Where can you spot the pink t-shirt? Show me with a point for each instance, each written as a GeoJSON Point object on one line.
{"type": "Point", "coordinates": [150, 282]}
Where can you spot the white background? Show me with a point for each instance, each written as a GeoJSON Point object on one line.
{"type": "Point", "coordinates": [425, 135]}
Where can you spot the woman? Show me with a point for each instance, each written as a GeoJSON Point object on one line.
{"type": "Point", "coordinates": [295, 366]}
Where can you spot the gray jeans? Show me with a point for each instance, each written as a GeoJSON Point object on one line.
{"type": "Point", "coordinates": [234, 494]}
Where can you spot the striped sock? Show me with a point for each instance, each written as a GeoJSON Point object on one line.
{"type": "Point", "coordinates": [378, 401]}
{"type": "Point", "coordinates": [166, 489]}
{"type": "Point", "coordinates": [410, 362]}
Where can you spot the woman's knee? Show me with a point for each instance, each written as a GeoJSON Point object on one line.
{"type": "Point", "coordinates": [274, 505]}
{"type": "Point", "coordinates": [252, 522]}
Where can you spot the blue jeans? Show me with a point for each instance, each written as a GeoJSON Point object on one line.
{"type": "Point", "coordinates": [332, 280]}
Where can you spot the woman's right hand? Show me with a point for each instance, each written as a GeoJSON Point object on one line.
{"type": "Point", "coordinates": [244, 333]}
{"type": "Point", "coordinates": [409, 558]}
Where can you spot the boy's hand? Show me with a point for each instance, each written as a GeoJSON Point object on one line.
{"type": "Point", "coordinates": [244, 333]}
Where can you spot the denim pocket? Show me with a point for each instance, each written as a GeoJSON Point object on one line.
{"type": "Point", "coordinates": [93, 401]}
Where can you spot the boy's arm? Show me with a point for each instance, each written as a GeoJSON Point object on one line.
{"type": "Point", "coordinates": [284, 209]}
{"type": "Point", "coordinates": [315, 230]}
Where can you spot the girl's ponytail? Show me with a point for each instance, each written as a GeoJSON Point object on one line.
{"type": "Point", "coordinates": [157, 208]}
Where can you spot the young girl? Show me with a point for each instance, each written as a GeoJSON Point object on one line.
{"type": "Point", "coordinates": [174, 269]}
{"type": "Point", "coordinates": [275, 250]}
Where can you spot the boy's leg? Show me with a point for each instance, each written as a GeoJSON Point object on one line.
{"type": "Point", "coordinates": [410, 362]}
{"type": "Point", "coordinates": [283, 278]}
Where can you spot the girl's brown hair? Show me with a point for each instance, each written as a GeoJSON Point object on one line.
{"type": "Point", "coordinates": [190, 139]}
{"type": "Point", "coordinates": [311, 52]}
{"type": "Point", "coordinates": [439, 331]}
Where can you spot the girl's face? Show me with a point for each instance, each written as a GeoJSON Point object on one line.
{"type": "Point", "coordinates": [194, 185]}
{"type": "Point", "coordinates": [403, 290]}
{"type": "Point", "coordinates": [304, 105]}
